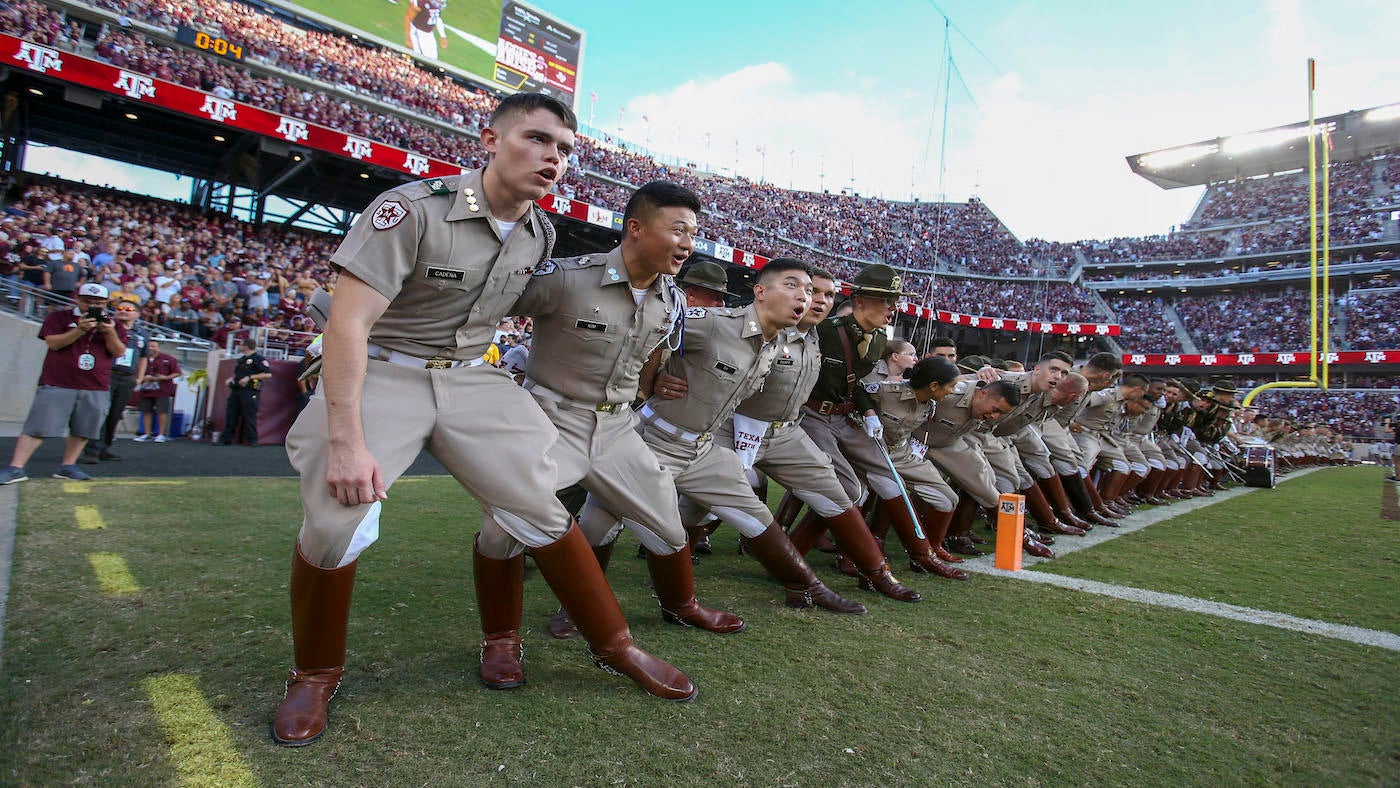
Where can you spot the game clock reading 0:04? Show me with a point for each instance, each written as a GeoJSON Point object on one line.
{"type": "Point", "coordinates": [209, 43]}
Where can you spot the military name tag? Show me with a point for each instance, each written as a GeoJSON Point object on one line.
{"type": "Point", "coordinates": [591, 325]}
{"type": "Point", "coordinates": [447, 273]}
{"type": "Point", "coordinates": [725, 368]}
{"type": "Point", "coordinates": [787, 362]}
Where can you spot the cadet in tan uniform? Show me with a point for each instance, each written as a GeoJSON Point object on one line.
{"type": "Point", "coordinates": [1099, 372]}
{"type": "Point", "coordinates": [598, 319]}
{"type": "Point", "coordinates": [950, 448]}
{"type": "Point", "coordinates": [1015, 451]}
{"type": "Point", "coordinates": [1100, 445]}
{"type": "Point", "coordinates": [725, 356]}
{"type": "Point", "coordinates": [425, 274]}
{"type": "Point", "coordinates": [769, 437]}
{"type": "Point", "coordinates": [904, 404]}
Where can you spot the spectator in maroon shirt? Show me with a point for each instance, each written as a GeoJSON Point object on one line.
{"type": "Point", "coordinates": [72, 396]}
{"type": "Point", "coordinates": [157, 393]}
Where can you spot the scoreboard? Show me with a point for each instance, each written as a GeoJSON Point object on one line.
{"type": "Point", "coordinates": [536, 52]}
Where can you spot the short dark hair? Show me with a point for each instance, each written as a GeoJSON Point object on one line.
{"type": "Point", "coordinates": [780, 265]}
{"type": "Point", "coordinates": [659, 194]}
{"type": "Point", "coordinates": [1133, 380]}
{"type": "Point", "coordinates": [821, 273]}
{"type": "Point", "coordinates": [525, 103]}
{"type": "Point", "coordinates": [943, 341]}
{"type": "Point", "coordinates": [1003, 389]}
{"type": "Point", "coordinates": [1056, 355]}
{"type": "Point", "coordinates": [249, 343]}
{"type": "Point", "coordinates": [931, 370]}
{"type": "Point", "coordinates": [1108, 362]}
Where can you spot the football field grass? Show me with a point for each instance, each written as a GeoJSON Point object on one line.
{"type": "Point", "coordinates": [480, 18]}
{"type": "Point", "coordinates": [147, 641]}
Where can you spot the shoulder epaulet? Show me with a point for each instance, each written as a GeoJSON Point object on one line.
{"type": "Point", "coordinates": [723, 311]}
{"type": "Point", "coordinates": [696, 312]}
{"type": "Point", "coordinates": [962, 386]}
{"type": "Point", "coordinates": [430, 187]}
{"type": "Point", "coordinates": [582, 261]}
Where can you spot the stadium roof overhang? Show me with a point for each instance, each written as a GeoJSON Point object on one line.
{"type": "Point", "coordinates": [53, 112]}
{"type": "Point", "coordinates": [1354, 135]}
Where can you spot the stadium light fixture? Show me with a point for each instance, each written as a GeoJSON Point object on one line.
{"type": "Point", "coordinates": [220, 138]}
{"type": "Point", "coordinates": [130, 116]}
{"type": "Point", "coordinates": [1390, 112]}
{"type": "Point", "coordinates": [1245, 143]}
{"type": "Point", "coordinates": [36, 91]}
{"type": "Point", "coordinates": [1163, 159]}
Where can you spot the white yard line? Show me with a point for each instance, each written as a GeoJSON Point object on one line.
{"type": "Point", "coordinates": [9, 503]}
{"type": "Point", "coordinates": [1139, 521]}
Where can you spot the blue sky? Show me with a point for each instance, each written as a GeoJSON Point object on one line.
{"type": "Point", "coordinates": [1058, 93]}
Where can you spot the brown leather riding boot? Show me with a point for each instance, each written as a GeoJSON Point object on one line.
{"type": "Point", "coordinates": [673, 577]}
{"type": "Point", "coordinates": [855, 541]}
{"type": "Point", "coordinates": [1044, 515]}
{"type": "Point", "coordinates": [788, 508]}
{"type": "Point", "coordinates": [320, 616]}
{"type": "Point", "coordinates": [774, 550]}
{"type": "Point", "coordinates": [500, 585]}
{"type": "Point", "coordinates": [1054, 490]}
{"type": "Point", "coordinates": [561, 627]}
{"type": "Point", "coordinates": [1112, 487]}
{"type": "Point", "coordinates": [699, 538]}
{"type": "Point", "coordinates": [1111, 517]}
{"type": "Point", "coordinates": [921, 556]}
{"type": "Point", "coordinates": [808, 530]}
{"type": "Point", "coordinates": [574, 576]}
{"type": "Point", "coordinates": [960, 528]}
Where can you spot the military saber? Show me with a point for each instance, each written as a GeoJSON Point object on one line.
{"type": "Point", "coordinates": [903, 491]}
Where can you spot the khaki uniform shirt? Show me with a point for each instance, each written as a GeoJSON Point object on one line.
{"type": "Point", "coordinates": [952, 418]}
{"type": "Point", "coordinates": [795, 368]}
{"type": "Point", "coordinates": [1032, 410]}
{"type": "Point", "coordinates": [432, 248]}
{"type": "Point", "coordinates": [1102, 410]}
{"type": "Point", "coordinates": [900, 411]}
{"type": "Point", "coordinates": [723, 359]}
{"type": "Point", "coordinates": [1144, 423]}
{"type": "Point", "coordinates": [590, 337]}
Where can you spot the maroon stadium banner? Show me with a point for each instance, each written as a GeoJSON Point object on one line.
{"type": "Point", "coordinates": [1257, 359]}
{"type": "Point", "coordinates": [145, 89]}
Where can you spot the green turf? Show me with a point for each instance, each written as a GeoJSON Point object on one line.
{"type": "Point", "coordinates": [481, 18]}
{"type": "Point", "coordinates": [989, 681]}
{"type": "Point", "coordinates": [1314, 547]}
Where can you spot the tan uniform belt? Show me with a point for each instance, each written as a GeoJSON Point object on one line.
{"type": "Point", "coordinates": [409, 360]}
{"type": "Point", "coordinates": [649, 416]}
{"type": "Point", "coordinates": [553, 396]}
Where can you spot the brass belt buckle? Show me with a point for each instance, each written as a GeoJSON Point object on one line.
{"type": "Point", "coordinates": [438, 362]}
{"type": "Point", "coordinates": [607, 407]}
{"type": "Point", "coordinates": [777, 425]}
{"type": "Point", "coordinates": [826, 408]}
{"type": "Point", "coordinates": [704, 436]}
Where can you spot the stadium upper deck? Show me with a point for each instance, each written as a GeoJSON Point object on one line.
{"type": "Point", "coordinates": [383, 96]}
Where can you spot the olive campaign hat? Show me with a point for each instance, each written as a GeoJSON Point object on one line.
{"type": "Point", "coordinates": [878, 280]}
{"type": "Point", "coordinates": [706, 274]}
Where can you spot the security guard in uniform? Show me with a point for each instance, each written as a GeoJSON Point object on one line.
{"type": "Point", "coordinates": [244, 385]}
{"type": "Point", "coordinates": [598, 319]}
{"type": "Point", "coordinates": [724, 357]}
{"type": "Point", "coordinates": [426, 273]}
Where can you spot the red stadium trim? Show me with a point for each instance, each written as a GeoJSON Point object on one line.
{"type": "Point", "coordinates": [1257, 359]}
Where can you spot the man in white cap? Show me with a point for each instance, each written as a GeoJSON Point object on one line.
{"type": "Point", "coordinates": [73, 387]}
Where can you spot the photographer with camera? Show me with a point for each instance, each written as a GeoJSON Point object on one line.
{"type": "Point", "coordinates": [73, 386]}
{"type": "Point", "coordinates": [248, 376]}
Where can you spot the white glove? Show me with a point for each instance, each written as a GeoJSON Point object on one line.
{"type": "Point", "coordinates": [874, 428]}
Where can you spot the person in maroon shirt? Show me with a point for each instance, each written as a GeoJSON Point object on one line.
{"type": "Point", "coordinates": [72, 396]}
{"type": "Point", "coordinates": [157, 389]}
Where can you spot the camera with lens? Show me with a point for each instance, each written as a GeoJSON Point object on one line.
{"type": "Point", "coordinates": [98, 313]}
